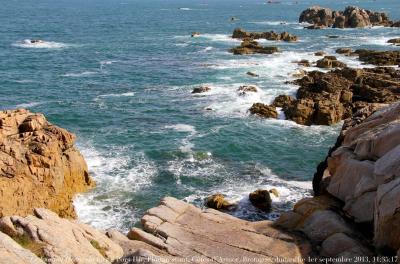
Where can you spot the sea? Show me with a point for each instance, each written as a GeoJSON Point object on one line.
{"type": "Point", "coordinates": [119, 74]}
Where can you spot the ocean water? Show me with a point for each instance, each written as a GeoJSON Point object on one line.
{"type": "Point", "coordinates": [119, 74]}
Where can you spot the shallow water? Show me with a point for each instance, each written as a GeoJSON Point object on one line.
{"type": "Point", "coordinates": [119, 73]}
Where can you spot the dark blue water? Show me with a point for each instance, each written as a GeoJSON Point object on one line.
{"type": "Point", "coordinates": [119, 74]}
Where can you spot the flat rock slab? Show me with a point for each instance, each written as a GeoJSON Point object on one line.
{"type": "Point", "coordinates": [209, 236]}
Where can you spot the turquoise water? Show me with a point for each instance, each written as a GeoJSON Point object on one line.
{"type": "Point", "coordinates": [119, 74]}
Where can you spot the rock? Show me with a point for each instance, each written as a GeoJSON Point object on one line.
{"type": "Point", "coordinates": [61, 239]}
{"type": "Point", "coordinates": [217, 201]}
{"type": "Point", "coordinates": [356, 17]}
{"type": "Point", "coordinates": [13, 253]}
{"type": "Point", "coordinates": [239, 33]}
{"type": "Point", "coordinates": [317, 15]}
{"type": "Point", "coordinates": [39, 165]}
{"type": "Point", "coordinates": [252, 74]}
{"type": "Point", "coordinates": [322, 224]}
{"type": "Point", "coordinates": [251, 47]}
{"type": "Point", "coordinates": [328, 98]}
{"type": "Point", "coordinates": [201, 89]}
{"type": "Point", "coordinates": [394, 41]}
{"type": "Point", "coordinates": [339, 243]}
{"type": "Point", "coordinates": [264, 110]}
{"type": "Point", "coordinates": [305, 63]}
{"type": "Point", "coordinates": [283, 100]}
{"type": "Point", "coordinates": [247, 89]}
{"type": "Point", "coordinates": [351, 17]}
{"type": "Point", "coordinates": [191, 233]}
{"type": "Point", "coordinates": [261, 199]}
{"type": "Point", "coordinates": [362, 171]}
{"type": "Point", "coordinates": [345, 51]}
{"type": "Point", "coordinates": [142, 256]}
{"type": "Point", "coordinates": [380, 58]}
{"type": "Point", "coordinates": [396, 24]}
{"type": "Point", "coordinates": [320, 53]}
{"type": "Point", "coordinates": [330, 62]}
{"type": "Point", "coordinates": [195, 34]}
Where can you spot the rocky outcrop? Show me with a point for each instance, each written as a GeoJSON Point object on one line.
{"type": "Point", "coordinates": [351, 17]}
{"type": "Point", "coordinates": [249, 46]}
{"type": "Point", "coordinates": [55, 240]}
{"type": "Point", "coordinates": [380, 58]}
{"type": "Point", "coordinates": [319, 218]}
{"type": "Point", "coordinates": [186, 232]}
{"type": "Point", "coordinates": [363, 171]}
{"type": "Point", "coordinates": [327, 98]}
{"type": "Point", "coordinates": [395, 41]}
{"type": "Point", "coordinates": [329, 62]}
{"type": "Point", "coordinates": [263, 110]}
{"type": "Point", "coordinates": [39, 165]}
{"type": "Point", "coordinates": [239, 33]}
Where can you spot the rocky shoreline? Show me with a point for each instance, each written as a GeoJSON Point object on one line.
{"type": "Point", "coordinates": [353, 216]}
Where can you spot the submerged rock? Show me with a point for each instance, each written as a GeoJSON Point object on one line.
{"type": "Point", "coordinates": [201, 89]}
{"type": "Point", "coordinates": [344, 51]}
{"type": "Point", "coordinates": [320, 53]}
{"type": "Point", "coordinates": [252, 74]}
{"type": "Point", "coordinates": [305, 63]}
{"type": "Point", "coordinates": [39, 165]}
{"type": "Point", "coordinates": [261, 199]}
{"type": "Point", "coordinates": [395, 41]}
{"type": "Point", "coordinates": [264, 110]}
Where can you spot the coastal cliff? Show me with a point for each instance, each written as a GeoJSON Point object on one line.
{"type": "Point", "coordinates": [354, 214]}
{"type": "Point", "coordinates": [39, 165]}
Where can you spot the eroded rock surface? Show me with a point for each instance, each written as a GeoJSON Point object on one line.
{"type": "Point", "coordinates": [363, 173]}
{"type": "Point", "coordinates": [39, 165]}
{"type": "Point", "coordinates": [183, 230]}
{"type": "Point", "coordinates": [60, 240]}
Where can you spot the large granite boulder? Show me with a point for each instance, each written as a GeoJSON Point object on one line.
{"type": "Point", "coordinates": [59, 240]}
{"type": "Point", "coordinates": [363, 172]}
{"type": "Point", "coordinates": [39, 165]}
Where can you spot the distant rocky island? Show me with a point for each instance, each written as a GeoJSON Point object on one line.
{"type": "Point", "coordinates": [352, 217]}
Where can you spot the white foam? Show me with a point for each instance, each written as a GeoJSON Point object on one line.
{"type": "Point", "coordinates": [182, 128]}
{"type": "Point", "coordinates": [185, 8]}
{"type": "Point", "coordinates": [207, 49]}
{"type": "Point", "coordinates": [289, 193]}
{"type": "Point", "coordinates": [39, 45]}
{"type": "Point", "coordinates": [274, 23]}
{"type": "Point", "coordinates": [80, 74]}
{"type": "Point", "coordinates": [24, 81]}
{"type": "Point", "coordinates": [127, 94]}
{"type": "Point", "coordinates": [219, 38]}
{"type": "Point", "coordinates": [118, 175]}
{"type": "Point", "coordinates": [29, 105]}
